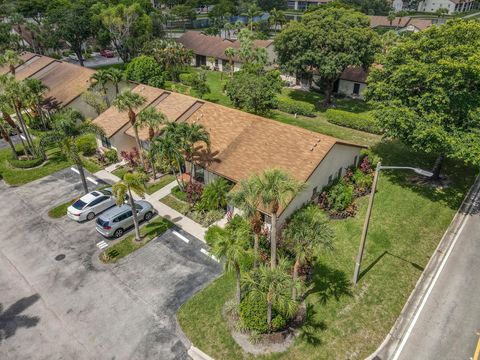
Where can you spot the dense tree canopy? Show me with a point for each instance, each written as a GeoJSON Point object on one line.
{"type": "Point", "coordinates": [370, 7]}
{"type": "Point", "coordinates": [145, 70]}
{"type": "Point", "coordinates": [324, 43]}
{"type": "Point", "coordinates": [427, 91]}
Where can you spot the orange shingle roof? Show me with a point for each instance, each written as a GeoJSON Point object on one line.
{"type": "Point", "coordinates": [400, 22]}
{"type": "Point", "coordinates": [24, 56]}
{"type": "Point", "coordinates": [31, 66]}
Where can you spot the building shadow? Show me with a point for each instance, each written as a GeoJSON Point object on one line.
{"type": "Point", "coordinates": [12, 319]}
{"type": "Point", "coordinates": [382, 255]}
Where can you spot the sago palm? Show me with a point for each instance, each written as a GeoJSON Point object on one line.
{"type": "Point", "coordinates": [129, 101]}
{"type": "Point", "coordinates": [307, 234]}
{"type": "Point", "coordinates": [231, 246]}
{"type": "Point", "coordinates": [131, 182]}
{"type": "Point", "coordinates": [247, 199]}
{"type": "Point", "coordinates": [276, 189]}
{"type": "Point", "coordinates": [67, 127]}
{"type": "Point", "coordinates": [273, 285]}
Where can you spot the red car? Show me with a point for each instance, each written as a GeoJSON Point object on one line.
{"type": "Point", "coordinates": [107, 53]}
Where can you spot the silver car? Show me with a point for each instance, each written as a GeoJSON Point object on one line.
{"type": "Point", "coordinates": [90, 205]}
{"type": "Point", "coordinates": [114, 222]}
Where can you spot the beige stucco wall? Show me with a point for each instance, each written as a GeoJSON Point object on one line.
{"type": "Point", "coordinates": [339, 158]}
{"type": "Point", "coordinates": [120, 141]}
{"type": "Point", "coordinates": [346, 87]}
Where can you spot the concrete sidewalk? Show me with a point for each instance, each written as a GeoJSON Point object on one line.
{"type": "Point", "coordinates": [163, 210]}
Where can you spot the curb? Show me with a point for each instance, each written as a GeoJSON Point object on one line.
{"type": "Point", "coordinates": [197, 354]}
{"type": "Point", "coordinates": [390, 344]}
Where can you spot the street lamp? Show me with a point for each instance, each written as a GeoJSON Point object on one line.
{"type": "Point", "coordinates": [369, 210]}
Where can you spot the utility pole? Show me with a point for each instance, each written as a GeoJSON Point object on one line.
{"type": "Point", "coordinates": [365, 225]}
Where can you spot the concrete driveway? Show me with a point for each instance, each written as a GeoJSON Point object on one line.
{"type": "Point", "coordinates": [58, 302]}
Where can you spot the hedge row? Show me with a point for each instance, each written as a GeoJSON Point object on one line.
{"type": "Point", "coordinates": [25, 164]}
{"type": "Point", "coordinates": [363, 122]}
{"type": "Point", "coordinates": [295, 107]}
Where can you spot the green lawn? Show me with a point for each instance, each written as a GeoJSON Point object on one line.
{"type": "Point", "coordinates": [120, 172]}
{"type": "Point", "coordinates": [407, 223]}
{"type": "Point", "coordinates": [174, 203]}
{"type": "Point", "coordinates": [60, 210]}
{"type": "Point", "coordinates": [165, 180]}
{"type": "Point", "coordinates": [150, 231]}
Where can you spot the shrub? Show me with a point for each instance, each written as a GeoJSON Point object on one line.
{"type": "Point", "coordinates": [363, 122]}
{"type": "Point", "coordinates": [212, 233]}
{"type": "Point", "coordinates": [111, 156]}
{"type": "Point", "coordinates": [295, 107]}
{"type": "Point", "coordinates": [87, 145]}
{"type": "Point", "coordinates": [25, 164]}
{"type": "Point", "coordinates": [188, 78]}
{"type": "Point", "coordinates": [253, 313]}
{"type": "Point", "coordinates": [340, 196]}
{"type": "Point", "coordinates": [131, 157]}
{"type": "Point", "coordinates": [214, 195]}
{"type": "Point", "coordinates": [362, 180]}
{"type": "Point", "coordinates": [179, 193]}
{"type": "Point", "coordinates": [142, 69]}
{"type": "Point", "coordinates": [157, 81]}
{"type": "Point", "coordinates": [279, 323]}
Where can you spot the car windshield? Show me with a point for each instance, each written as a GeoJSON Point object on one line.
{"type": "Point", "coordinates": [106, 192]}
{"type": "Point", "coordinates": [138, 207]}
{"type": "Point", "coordinates": [102, 222]}
{"type": "Point", "coordinates": [79, 204]}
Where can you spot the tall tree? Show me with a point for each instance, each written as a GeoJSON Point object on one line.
{"type": "Point", "coordinates": [325, 42]}
{"type": "Point", "coordinates": [167, 149]}
{"type": "Point", "coordinates": [247, 199]}
{"type": "Point", "coordinates": [170, 55]}
{"type": "Point", "coordinates": [190, 136]}
{"type": "Point", "coordinates": [276, 189]}
{"type": "Point", "coordinates": [273, 285]}
{"type": "Point", "coordinates": [184, 13]}
{"type": "Point", "coordinates": [131, 182]}
{"type": "Point", "coordinates": [277, 18]}
{"type": "Point", "coordinates": [230, 54]}
{"type": "Point", "coordinates": [67, 128]}
{"type": "Point", "coordinates": [307, 234]}
{"type": "Point", "coordinates": [426, 92]}
{"type": "Point", "coordinates": [116, 76]}
{"type": "Point", "coordinates": [11, 59]}
{"type": "Point", "coordinates": [35, 97]}
{"type": "Point", "coordinates": [100, 80]}
{"type": "Point", "coordinates": [129, 101]}
{"type": "Point", "coordinates": [152, 119]}
{"type": "Point", "coordinates": [231, 246]}
{"type": "Point", "coordinates": [252, 12]}
{"type": "Point", "coordinates": [5, 134]}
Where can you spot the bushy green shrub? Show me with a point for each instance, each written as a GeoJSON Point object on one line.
{"type": "Point", "coordinates": [340, 196]}
{"type": "Point", "coordinates": [363, 122]}
{"type": "Point", "coordinates": [111, 156]}
{"type": "Point", "coordinates": [214, 195]}
{"type": "Point", "coordinates": [279, 323]}
{"type": "Point", "coordinates": [157, 81]}
{"type": "Point", "coordinates": [188, 78]}
{"type": "Point", "coordinates": [253, 313]}
{"type": "Point", "coordinates": [362, 180]}
{"type": "Point", "coordinates": [295, 107]}
{"type": "Point", "coordinates": [142, 69]}
{"type": "Point", "coordinates": [87, 145]}
{"type": "Point", "coordinates": [212, 233]}
{"type": "Point", "coordinates": [25, 164]}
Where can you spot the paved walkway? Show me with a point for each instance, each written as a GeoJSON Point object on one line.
{"type": "Point", "coordinates": [163, 210]}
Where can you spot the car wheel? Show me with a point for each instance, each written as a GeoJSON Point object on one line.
{"type": "Point", "coordinates": [118, 233]}
{"type": "Point", "coordinates": [148, 216]}
{"type": "Point", "coordinates": [90, 216]}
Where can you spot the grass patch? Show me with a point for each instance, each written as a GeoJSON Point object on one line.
{"type": "Point", "coordinates": [408, 221]}
{"type": "Point", "coordinates": [61, 210]}
{"type": "Point", "coordinates": [120, 172]}
{"type": "Point", "coordinates": [128, 245]}
{"type": "Point", "coordinates": [174, 203]}
{"type": "Point", "coordinates": [165, 180]}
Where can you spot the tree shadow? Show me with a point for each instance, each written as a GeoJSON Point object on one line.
{"type": "Point", "coordinates": [11, 318]}
{"type": "Point", "coordinates": [329, 283]}
{"type": "Point", "coordinates": [312, 327]}
{"type": "Point", "coordinates": [451, 191]}
{"type": "Point", "coordinates": [382, 255]}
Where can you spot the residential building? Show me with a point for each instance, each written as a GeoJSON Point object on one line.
{"type": "Point", "coordinates": [400, 24]}
{"type": "Point", "coordinates": [209, 50]}
{"type": "Point", "coordinates": [452, 6]}
{"type": "Point", "coordinates": [305, 4]}
{"type": "Point", "coordinates": [241, 144]}
{"type": "Point", "coordinates": [352, 82]}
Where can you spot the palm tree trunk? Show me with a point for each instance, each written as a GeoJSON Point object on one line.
{"type": "Point", "coordinates": [116, 88]}
{"type": "Point", "coordinates": [255, 250]}
{"type": "Point", "coordinates": [437, 167]}
{"type": "Point", "coordinates": [105, 96]}
{"type": "Point", "coordinates": [154, 173]}
{"type": "Point", "coordinates": [140, 153]}
{"type": "Point", "coordinates": [296, 266]}
{"type": "Point", "coordinates": [82, 176]}
{"type": "Point", "coordinates": [135, 218]}
{"type": "Point", "coordinates": [8, 119]}
{"type": "Point", "coordinates": [273, 241]}
{"type": "Point", "coordinates": [26, 145]}
{"type": "Point", "coordinates": [8, 139]}
{"type": "Point", "coordinates": [238, 291]}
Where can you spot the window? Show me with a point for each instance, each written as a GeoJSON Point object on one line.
{"type": "Point", "coordinates": [79, 204]}
{"type": "Point", "coordinates": [356, 89]}
{"type": "Point", "coordinates": [106, 142]}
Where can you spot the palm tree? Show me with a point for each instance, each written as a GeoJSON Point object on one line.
{"type": "Point", "coordinates": [11, 59]}
{"type": "Point", "coordinates": [391, 16]}
{"type": "Point", "coordinates": [100, 79]}
{"type": "Point", "coordinates": [67, 128]}
{"type": "Point", "coordinates": [277, 17]}
{"type": "Point", "coordinates": [153, 119]}
{"type": "Point", "coordinates": [252, 11]}
{"type": "Point", "coordinates": [231, 246]}
{"type": "Point", "coordinates": [131, 181]}
{"type": "Point", "coordinates": [273, 285]}
{"type": "Point", "coordinates": [35, 98]}
{"type": "Point", "coordinates": [190, 134]}
{"type": "Point", "coordinates": [276, 189]}
{"type": "Point", "coordinates": [129, 101]}
{"type": "Point", "coordinates": [307, 234]}
{"type": "Point", "coordinates": [166, 148]}
{"type": "Point", "coordinates": [4, 133]}
{"type": "Point", "coordinates": [230, 54]}
{"type": "Point", "coordinates": [116, 76]}
{"type": "Point", "coordinates": [247, 199]}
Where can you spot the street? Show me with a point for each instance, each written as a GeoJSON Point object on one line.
{"type": "Point", "coordinates": [448, 324]}
{"type": "Point", "coordinates": [59, 302]}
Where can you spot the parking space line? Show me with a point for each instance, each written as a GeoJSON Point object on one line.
{"type": "Point", "coordinates": [92, 180]}
{"type": "Point", "coordinates": [74, 170]}
{"type": "Point", "coordinates": [102, 245]}
{"type": "Point", "coordinates": [204, 251]}
{"type": "Point", "coordinates": [180, 236]}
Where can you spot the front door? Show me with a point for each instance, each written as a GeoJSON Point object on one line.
{"type": "Point", "coordinates": [356, 89]}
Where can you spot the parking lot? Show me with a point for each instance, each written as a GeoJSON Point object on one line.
{"type": "Point", "coordinates": [59, 302]}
